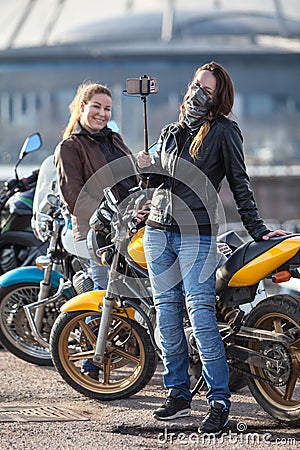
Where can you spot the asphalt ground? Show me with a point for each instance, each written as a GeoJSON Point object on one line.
{"type": "Point", "coordinates": [38, 410]}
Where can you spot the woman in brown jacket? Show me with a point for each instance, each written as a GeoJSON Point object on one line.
{"type": "Point", "coordinates": [89, 158]}
{"type": "Point", "coordinates": [86, 159]}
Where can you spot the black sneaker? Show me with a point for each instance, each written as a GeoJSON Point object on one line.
{"type": "Point", "coordinates": [216, 419]}
{"type": "Point", "coordinates": [175, 406]}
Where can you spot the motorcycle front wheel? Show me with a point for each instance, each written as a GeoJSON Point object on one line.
{"type": "Point", "coordinates": [15, 333]}
{"type": "Point", "coordinates": [128, 364]}
{"type": "Point", "coordinates": [279, 396]}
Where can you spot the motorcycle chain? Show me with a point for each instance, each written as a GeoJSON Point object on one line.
{"type": "Point", "coordinates": [256, 377]}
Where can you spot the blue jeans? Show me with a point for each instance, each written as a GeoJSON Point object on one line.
{"type": "Point", "coordinates": [182, 271]}
{"type": "Point", "coordinates": [99, 276]}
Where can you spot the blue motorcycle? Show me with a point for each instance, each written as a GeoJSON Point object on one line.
{"type": "Point", "coordinates": [31, 297]}
{"type": "Point", "coordinates": [18, 244]}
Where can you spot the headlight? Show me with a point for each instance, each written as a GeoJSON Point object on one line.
{"type": "Point", "coordinates": [42, 226]}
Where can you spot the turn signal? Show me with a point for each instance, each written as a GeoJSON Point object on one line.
{"type": "Point", "coordinates": [43, 262]}
{"type": "Point", "coordinates": [280, 277]}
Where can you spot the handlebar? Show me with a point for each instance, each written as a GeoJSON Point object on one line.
{"type": "Point", "coordinates": [127, 220]}
{"type": "Point", "coordinates": [14, 184]}
{"type": "Point", "coordinates": [10, 184]}
{"type": "Point", "coordinates": [31, 179]}
{"type": "Point", "coordinates": [132, 227]}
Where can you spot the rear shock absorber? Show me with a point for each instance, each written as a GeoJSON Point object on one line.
{"type": "Point", "coordinates": [233, 316]}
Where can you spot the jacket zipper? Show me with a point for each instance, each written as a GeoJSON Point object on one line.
{"type": "Point", "coordinates": [173, 173]}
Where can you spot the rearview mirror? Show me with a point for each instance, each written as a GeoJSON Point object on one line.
{"type": "Point", "coordinates": [31, 144]}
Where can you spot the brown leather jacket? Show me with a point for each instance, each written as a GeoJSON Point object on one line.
{"type": "Point", "coordinates": [83, 173]}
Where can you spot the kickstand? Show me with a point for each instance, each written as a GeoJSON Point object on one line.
{"type": "Point", "coordinates": [198, 386]}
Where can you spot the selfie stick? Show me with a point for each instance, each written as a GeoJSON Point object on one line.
{"type": "Point", "coordinates": [145, 92]}
{"type": "Point", "coordinates": [144, 99]}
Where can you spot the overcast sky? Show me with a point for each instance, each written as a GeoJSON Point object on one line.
{"type": "Point", "coordinates": [35, 29]}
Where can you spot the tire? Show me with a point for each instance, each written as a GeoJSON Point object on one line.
{"type": "Point", "coordinates": [130, 358]}
{"type": "Point", "coordinates": [280, 313]}
{"type": "Point", "coordinates": [15, 334]}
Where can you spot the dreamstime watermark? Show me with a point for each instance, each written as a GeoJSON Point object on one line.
{"type": "Point", "coordinates": [241, 436]}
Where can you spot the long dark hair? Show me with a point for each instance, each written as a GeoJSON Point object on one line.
{"type": "Point", "coordinates": [223, 100]}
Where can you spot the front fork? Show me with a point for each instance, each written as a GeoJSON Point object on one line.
{"type": "Point", "coordinates": [107, 309]}
{"type": "Point", "coordinates": [43, 293]}
{"type": "Point", "coordinates": [47, 263]}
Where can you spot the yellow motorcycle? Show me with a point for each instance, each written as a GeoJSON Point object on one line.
{"type": "Point", "coordinates": [116, 328]}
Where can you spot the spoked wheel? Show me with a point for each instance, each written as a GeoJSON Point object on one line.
{"type": "Point", "coordinates": [129, 361]}
{"type": "Point", "coordinates": [15, 333]}
{"type": "Point", "coordinates": [280, 396]}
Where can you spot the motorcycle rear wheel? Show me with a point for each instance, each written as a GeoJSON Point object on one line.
{"type": "Point", "coordinates": [279, 313]}
{"type": "Point", "coordinates": [15, 334]}
{"type": "Point", "coordinates": [129, 363]}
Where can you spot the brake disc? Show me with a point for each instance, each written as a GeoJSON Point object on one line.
{"type": "Point", "coordinates": [22, 328]}
{"type": "Point", "coordinates": [127, 343]}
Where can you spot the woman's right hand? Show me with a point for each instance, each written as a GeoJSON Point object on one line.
{"type": "Point", "coordinates": [143, 160]}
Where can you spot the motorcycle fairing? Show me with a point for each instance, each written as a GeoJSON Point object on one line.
{"type": "Point", "coordinates": [255, 260]}
{"type": "Point", "coordinates": [21, 203]}
{"type": "Point", "coordinates": [93, 301]}
{"type": "Point", "coordinates": [28, 274]}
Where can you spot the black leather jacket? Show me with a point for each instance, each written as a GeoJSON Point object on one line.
{"type": "Point", "coordinates": [221, 155]}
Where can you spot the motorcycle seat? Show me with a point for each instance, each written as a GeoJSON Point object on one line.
{"type": "Point", "coordinates": [243, 255]}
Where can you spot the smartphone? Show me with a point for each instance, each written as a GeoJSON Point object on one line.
{"type": "Point", "coordinates": [142, 86]}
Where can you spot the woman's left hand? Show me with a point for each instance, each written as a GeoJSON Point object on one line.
{"type": "Point", "coordinates": [271, 234]}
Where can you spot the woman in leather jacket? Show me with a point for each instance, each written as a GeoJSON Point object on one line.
{"type": "Point", "coordinates": [89, 158]}
{"type": "Point", "coordinates": [192, 158]}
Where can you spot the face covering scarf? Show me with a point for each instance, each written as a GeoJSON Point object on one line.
{"type": "Point", "coordinates": [197, 107]}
